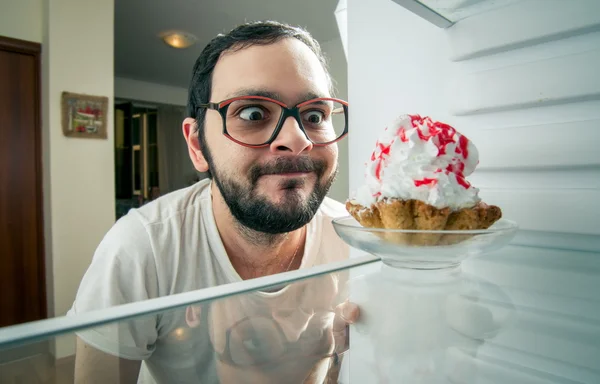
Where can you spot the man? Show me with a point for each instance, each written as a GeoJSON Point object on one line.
{"type": "Point", "coordinates": [263, 123]}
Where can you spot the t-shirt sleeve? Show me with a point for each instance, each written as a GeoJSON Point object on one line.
{"type": "Point", "coordinates": [122, 271]}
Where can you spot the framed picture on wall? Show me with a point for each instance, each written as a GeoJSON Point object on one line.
{"type": "Point", "coordinates": [84, 115]}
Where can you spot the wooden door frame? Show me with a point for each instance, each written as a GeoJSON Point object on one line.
{"type": "Point", "coordinates": [34, 49]}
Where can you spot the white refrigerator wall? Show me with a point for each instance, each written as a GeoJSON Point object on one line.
{"type": "Point", "coordinates": [531, 109]}
{"type": "Point", "coordinates": [523, 82]}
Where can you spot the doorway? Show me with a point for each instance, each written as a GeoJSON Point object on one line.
{"type": "Point", "coordinates": [136, 155]}
{"type": "Point", "coordinates": [22, 271]}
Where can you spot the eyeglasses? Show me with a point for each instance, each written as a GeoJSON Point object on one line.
{"type": "Point", "coordinates": [255, 121]}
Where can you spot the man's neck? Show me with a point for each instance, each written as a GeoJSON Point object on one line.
{"type": "Point", "coordinates": [254, 254]}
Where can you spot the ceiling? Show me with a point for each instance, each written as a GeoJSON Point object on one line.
{"type": "Point", "coordinates": [141, 55]}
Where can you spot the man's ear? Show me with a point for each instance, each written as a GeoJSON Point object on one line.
{"type": "Point", "coordinates": [190, 133]}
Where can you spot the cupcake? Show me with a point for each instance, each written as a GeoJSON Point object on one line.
{"type": "Point", "coordinates": [416, 180]}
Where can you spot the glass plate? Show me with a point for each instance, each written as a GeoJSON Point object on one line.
{"type": "Point", "coordinates": [413, 248]}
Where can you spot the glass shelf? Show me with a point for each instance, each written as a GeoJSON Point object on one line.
{"type": "Point", "coordinates": [517, 315]}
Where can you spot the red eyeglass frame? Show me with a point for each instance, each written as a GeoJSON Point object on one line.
{"type": "Point", "coordinates": [294, 112]}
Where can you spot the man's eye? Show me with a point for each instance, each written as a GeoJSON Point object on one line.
{"type": "Point", "coordinates": [314, 117]}
{"type": "Point", "coordinates": [252, 114]}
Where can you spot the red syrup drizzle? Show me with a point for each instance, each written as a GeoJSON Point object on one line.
{"type": "Point", "coordinates": [381, 150]}
{"type": "Point", "coordinates": [426, 181]}
{"type": "Point", "coordinates": [441, 135]}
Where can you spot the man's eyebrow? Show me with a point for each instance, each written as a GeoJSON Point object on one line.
{"type": "Point", "coordinates": [309, 96]}
{"type": "Point", "coordinates": [254, 92]}
{"type": "Point", "coordinates": [272, 95]}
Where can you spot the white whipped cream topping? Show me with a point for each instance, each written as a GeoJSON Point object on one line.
{"type": "Point", "coordinates": [418, 158]}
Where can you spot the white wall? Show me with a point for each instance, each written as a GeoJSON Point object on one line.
{"type": "Point", "coordinates": [78, 173]}
{"type": "Point", "coordinates": [22, 19]}
{"type": "Point", "coordinates": [522, 83]}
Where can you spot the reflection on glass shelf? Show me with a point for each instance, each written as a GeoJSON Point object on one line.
{"type": "Point", "coordinates": [434, 325]}
{"type": "Point", "coordinates": [520, 315]}
{"type": "Point", "coordinates": [280, 334]}
{"type": "Point", "coordinates": [455, 10]}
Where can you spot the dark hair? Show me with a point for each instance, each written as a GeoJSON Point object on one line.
{"type": "Point", "coordinates": [243, 36]}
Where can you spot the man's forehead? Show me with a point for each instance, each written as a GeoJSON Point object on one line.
{"type": "Point", "coordinates": [287, 71]}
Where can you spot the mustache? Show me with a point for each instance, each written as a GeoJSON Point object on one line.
{"type": "Point", "coordinates": [287, 164]}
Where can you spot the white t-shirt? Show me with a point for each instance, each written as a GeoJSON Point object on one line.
{"type": "Point", "coordinates": [172, 245]}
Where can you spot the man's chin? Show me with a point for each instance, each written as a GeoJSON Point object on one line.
{"type": "Point", "coordinates": [272, 204]}
{"type": "Point", "coordinates": [284, 197]}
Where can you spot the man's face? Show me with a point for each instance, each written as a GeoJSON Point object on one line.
{"type": "Point", "coordinates": [279, 188]}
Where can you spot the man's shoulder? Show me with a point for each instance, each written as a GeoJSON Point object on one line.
{"type": "Point", "coordinates": [332, 209]}
{"type": "Point", "coordinates": [155, 224]}
{"type": "Point", "coordinates": [331, 247]}
{"type": "Point", "coordinates": [179, 203]}
{"type": "Point", "coordinates": [162, 238]}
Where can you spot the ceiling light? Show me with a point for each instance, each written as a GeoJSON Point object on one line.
{"type": "Point", "coordinates": [178, 39]}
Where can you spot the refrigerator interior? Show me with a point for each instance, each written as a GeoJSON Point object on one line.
{"type": "Point", "coordinates": [520, 78]}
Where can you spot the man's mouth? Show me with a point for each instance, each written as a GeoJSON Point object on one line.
{"type": "Point", "coordinates": [289, 174]}
{"type": "Point", "coordinates": [288, 168]}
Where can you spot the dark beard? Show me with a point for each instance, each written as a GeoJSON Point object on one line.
{"type": "Point", "coordinates": [256, 212]}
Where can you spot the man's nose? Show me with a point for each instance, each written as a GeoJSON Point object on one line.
{"type": "Point", "coordinates": [291, 138]}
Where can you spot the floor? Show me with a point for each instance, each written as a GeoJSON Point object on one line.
{"type": "Point", "coordinates": [34, 365]}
